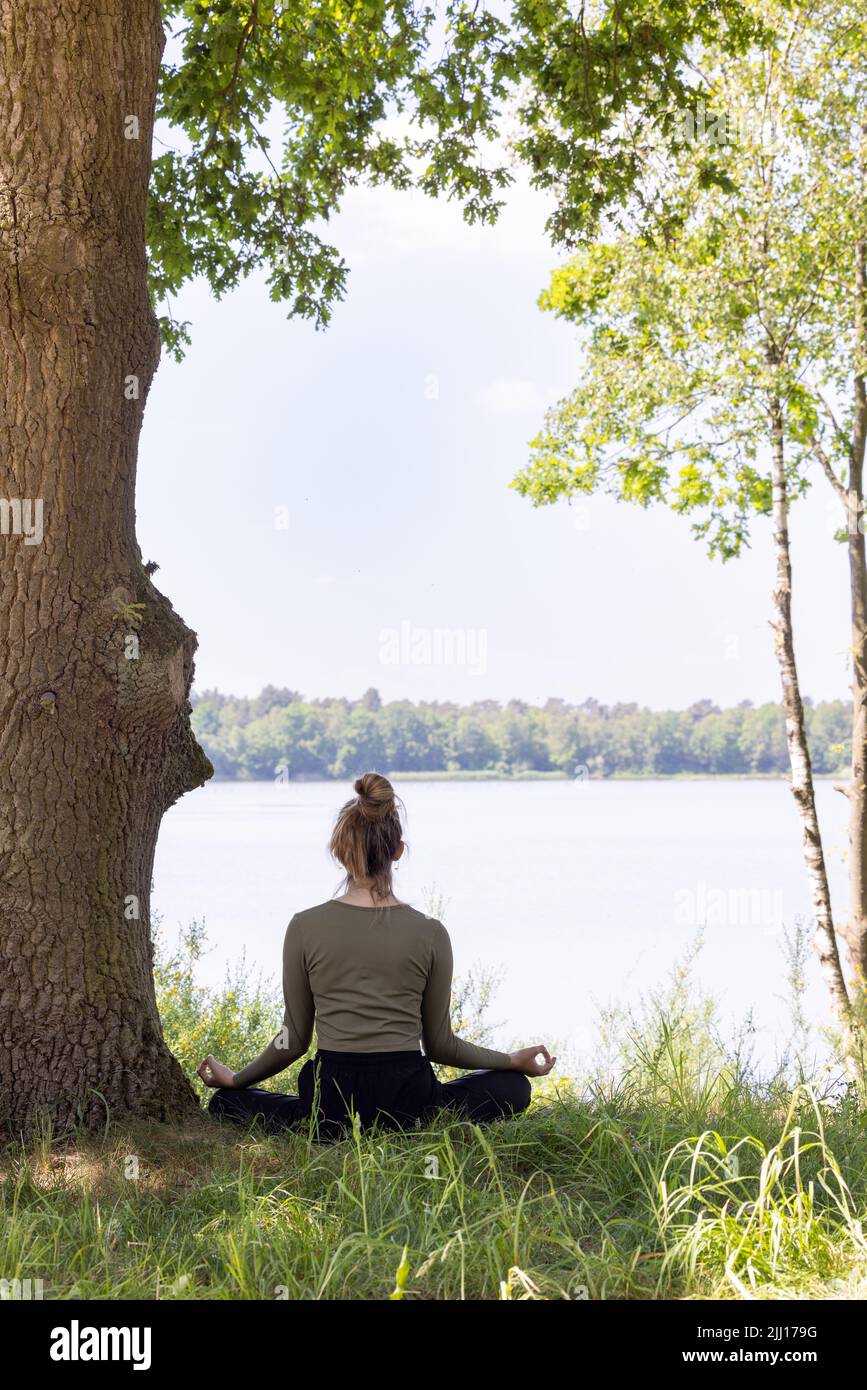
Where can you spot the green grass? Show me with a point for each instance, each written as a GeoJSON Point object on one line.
{"type": "Point", "coordinates": [671, 1171]}
{"type": "Point", "coordinates": [610, 1198]}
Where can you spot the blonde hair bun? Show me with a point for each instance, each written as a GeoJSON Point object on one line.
{"type": "Point", "coordinates": [375, 795]}
{"type": "Point", "coordinates": [367, 835]}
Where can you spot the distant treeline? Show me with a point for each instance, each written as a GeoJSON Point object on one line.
{"type": "Point", "coordinates": [280, 734]}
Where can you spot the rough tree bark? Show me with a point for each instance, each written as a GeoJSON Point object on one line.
{"type": "Point", "coordinates": [825, 939]}
{"type": "Point", "coordinates": [95, 669]}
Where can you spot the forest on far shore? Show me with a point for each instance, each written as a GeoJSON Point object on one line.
{"type": "Point", "coordinates": [280, 734]}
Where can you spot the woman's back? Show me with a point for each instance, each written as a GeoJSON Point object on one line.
{"type": "Point", "coordinates": [374, 978]}
{"type": "Point", "coordinates": [367, 968]}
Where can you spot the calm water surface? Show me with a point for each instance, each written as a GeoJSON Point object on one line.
{"type": "Point", "coordinates": [581, 893]}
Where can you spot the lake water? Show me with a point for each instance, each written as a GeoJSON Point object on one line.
{"type": "Point", "coordinates": [580, 893]}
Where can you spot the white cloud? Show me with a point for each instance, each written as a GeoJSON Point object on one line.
{"type": "Point", "coordinates": [381, 223]}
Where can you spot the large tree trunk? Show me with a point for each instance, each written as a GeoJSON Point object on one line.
{"type": "Point", "coordinates": [825, 939]}
{"type": "Point", "coordinates": [95, 742]}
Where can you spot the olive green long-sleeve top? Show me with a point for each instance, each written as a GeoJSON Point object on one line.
{"type": "Point", "coordinates": [372, 980]}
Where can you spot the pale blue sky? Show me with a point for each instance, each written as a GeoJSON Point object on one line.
{"type": "Point", "coordinates": [399, 506]}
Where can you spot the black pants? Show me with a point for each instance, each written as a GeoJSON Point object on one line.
{"type": "Point", "coordinates": [397, 1089]}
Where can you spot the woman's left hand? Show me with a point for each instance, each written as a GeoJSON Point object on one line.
{"type": "Point", "coordinates": [215, 1073]}
{"type": "Point", "coordinates": [533, 1061]}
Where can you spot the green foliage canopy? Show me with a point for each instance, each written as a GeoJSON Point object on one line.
{"type": "Point", "coordinates": [744, 299]}
{"type": "Point", "coordinates": [276, 107]}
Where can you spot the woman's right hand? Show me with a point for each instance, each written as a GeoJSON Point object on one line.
{"type": "Point", "coordinates": [215, 1073]}
{"type": "Point", "coordinates": [533, 1061]}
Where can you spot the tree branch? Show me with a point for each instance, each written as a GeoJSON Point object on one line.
{"type": "Point", "coordinates": [816, 446]}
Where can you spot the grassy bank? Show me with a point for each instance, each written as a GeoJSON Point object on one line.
{"type": "Point", "coordinates": [606, 1198]}
{"type": "Point", "coordinates": [672, 1171]}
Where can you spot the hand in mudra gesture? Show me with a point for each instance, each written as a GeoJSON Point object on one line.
{"type": "Point", "coordinates": [533, 1061]}
{"type": "Point", "coordinates": [215, 1073]}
